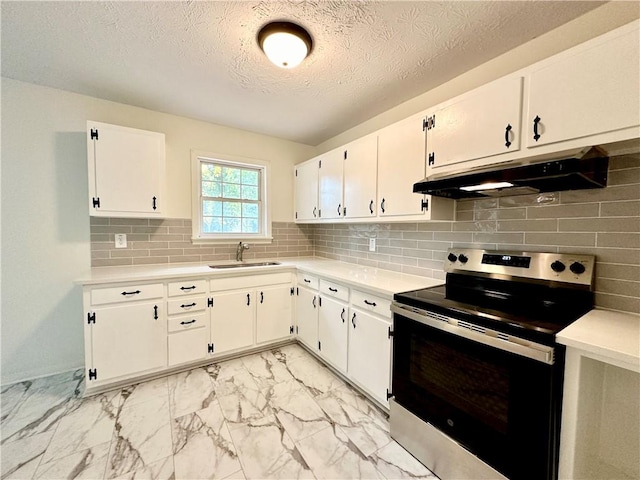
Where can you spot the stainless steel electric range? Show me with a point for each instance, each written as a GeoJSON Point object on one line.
{"type": "Point", "coordinates": [477, 374]}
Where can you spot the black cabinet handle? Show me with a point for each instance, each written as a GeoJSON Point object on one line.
{"type": "Point", "coordinates": [306, 281]}
{"type": "Point", "coordinates": [261, 297]}
{"type": "Point", "coordinates": [339, 205]}
{"type": "Point", "coordinates": [314, 211]}
{"type": "Point", "coordinates": [154, 203]}
{"type": "Point", "coordinates": [189, 305]}
{"type": "Point", "coordinates": [131, 293]}
{"type": "Point", "coordinates": [373, 304]}
{"type": "Point", "coordinates": [353, 320]}
{"type": "Point", "coordinates": [248, 299]}
{"type": "Point", "coordinates": [536, 122]}
{"type": "Point", "coordinates": [507, 143]}
{"type": "Point", "coordinates": [314, 301]}
{"type": "Point", "coordinates": [188, 288]}
{"type": "Point", "coordinates": [382, 205]}
{"type": "Point", "coordinates": [155, 312]}
{"type": "Point", "coordinates": [342, 315]}
{"type": "Point", "coordinates": [334, 290]}
{"type": "Point", "coordinates": [371, 207]}
{"type": "Point", "coordinates": [189, 322]}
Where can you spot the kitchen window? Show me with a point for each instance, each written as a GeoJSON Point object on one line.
{"type": "Point", "coordinates": [229, 199]}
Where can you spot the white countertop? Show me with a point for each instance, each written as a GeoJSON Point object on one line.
{"type": "Point", "coordinates": [607, 335]}
{"type": "Point", "coordinates": [374, 280]}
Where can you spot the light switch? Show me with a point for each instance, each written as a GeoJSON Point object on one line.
{"type": "Point", "coordinates": [372, 244]}
{"type": "Point", "coordinates": [121, 240]}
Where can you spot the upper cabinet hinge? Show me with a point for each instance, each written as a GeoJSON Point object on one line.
{"type": "Point", "coordinates": [432, 158]}
{"type": "Point", "coordinates": [424, 205]}
{"type": "Point", "coordinates": [94, 134]}
{"type": "Point", "coordinates": [430, 122]}
{"type": "Point", "coordinates": [296, 172]}
{"type": "Point", "coordinates": [91, 317]}
{"type": "Point", "coordinates": [345, 154]}
{"type": "Point", "coordinates": [296, 215]}
{"type": "Point", "coordinates": [319, 163]}
{"type": "Point", "coordinates": [344, 211]}
{"type": "Point", "coordinates": [96, 202]}
{"type": "Point", "coordinates": [424, 124]}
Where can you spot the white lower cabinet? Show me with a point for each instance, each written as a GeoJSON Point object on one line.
{"type": "Point", "coordinates": [332, 331]}
{"type": "Point", "coordinates": [307, 316]}
{"type": "Point", "coordinates": [125, 339]}
{"type": "Point", "coordinates": [232, 319]}
{"type": "Point", "coordinates": [370, 353]}
{"type": "Point", "coordinates": [274, 313]}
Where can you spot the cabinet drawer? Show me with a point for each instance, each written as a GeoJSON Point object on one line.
{"type": "Point", "coordinates": [188, 346]}
{"type": "Point", "coordinates": [309, 281]}
{"type": "Point", "coordinates": [126, 293]}
{"type": "Point", "coordinates": [334, 290]}
{"type": "Point", "coordinates": [188, 322]}
{"type": "Point", "coordinates": [186, 305]}
{"type": "Point", "coordinates": [187, 287]}
{"type": "Point", "coordinates": [365, 301]}
{"type": "Point", "coordinates": [236, 283]}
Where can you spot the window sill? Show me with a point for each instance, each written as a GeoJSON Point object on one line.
{"type": "Point", "coordinates": [231, 239]}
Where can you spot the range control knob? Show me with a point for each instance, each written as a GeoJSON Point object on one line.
{"type": "Point", "coordinates": [463, 258]}
{"type": "Point", "coordinates": [558, 266]}
{"type": "Point", "coordinates": [577, 268]}
{"type": "Point", "coordinates": [452, 258]}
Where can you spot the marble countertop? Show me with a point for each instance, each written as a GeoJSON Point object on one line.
{"type": "Point", "coordinates": [374, 280]}
{"type": "Point", "coordinates": [608, 335]}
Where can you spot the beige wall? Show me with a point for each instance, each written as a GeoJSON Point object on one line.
{"type": "Point", "coordinates": [594, 23]}
{"type": "Point", "coordinates": [45, 214]}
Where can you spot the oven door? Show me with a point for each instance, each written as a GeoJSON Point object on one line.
{"type": "Point", "coordinates": [501, 406]}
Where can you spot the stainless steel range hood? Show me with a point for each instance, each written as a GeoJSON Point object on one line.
{"type": "Point", "coordinates": [588, 171]}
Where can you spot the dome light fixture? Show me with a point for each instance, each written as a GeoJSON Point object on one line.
{"type": "Point", "coordinates": [284, 43]}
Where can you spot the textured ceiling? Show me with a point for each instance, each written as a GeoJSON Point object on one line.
{"type": "Point", "coordinates": [201, 59]}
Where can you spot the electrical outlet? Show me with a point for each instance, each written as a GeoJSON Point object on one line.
{"type": "Point", "coordinates": [372, 244]}
{"type": "Point", "coordinates": [121, 240]}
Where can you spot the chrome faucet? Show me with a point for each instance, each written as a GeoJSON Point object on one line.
{"type": "Point", "coordinates": [241, 248]}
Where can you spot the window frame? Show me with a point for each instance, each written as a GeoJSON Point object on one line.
{"type": "Point", "coordinates": [264, 215]}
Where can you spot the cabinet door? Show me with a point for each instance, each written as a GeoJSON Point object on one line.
{"type": "Point", "coordinates": [333, 331]}
{"type": "Point", "coordinates": [593, 89]}
{"type": "Point", "coordinates": [330, 180]}
{"type": "Point", "coordinates": [360, 174]}
{"type": "Point", "coordinates": [370, 353]}
{"type": "Point", "coordinates": [483, 123]}
{"type": "Point", "coordinates": [273, 320]}
{"type": "Point", "coordinates": [307, 317]}
{"type": "Point", "coordinates": [306, 186]}
{"type": "Point", "coordinates": [401, 163]}
{"type": "Point", "coordinates": [189, 345]}
{"type": "Point", "coordinates": [128, 339]}
{"type": "Point", "coordinates": [232, 318]}
{"type": "Point", "coordinates": [126, 170]}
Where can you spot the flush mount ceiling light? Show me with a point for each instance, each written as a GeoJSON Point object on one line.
{"type": "Point", "coordinates": [284, 43]}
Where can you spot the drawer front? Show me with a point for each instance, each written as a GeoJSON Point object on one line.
{"type": "Point", "coordinates": [128, 293]}
{"type": "Point", "coordinates": [186, 305]}
{"type": "Point", "coordinates": [187, 287]}
{"type": "Point", "coordinates": [309, 281]}
{"type": "Point", "coordinates": [236, 283]}
{"type": "Point", "coordinates": [365, 301]}
{"type": "Point", "coordinates": [188, 322]}
{"type": "Point", "coordinates": [334, 290]}
{"type": "Point", "coordinates": [188, 346]}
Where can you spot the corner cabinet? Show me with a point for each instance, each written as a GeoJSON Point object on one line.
{"type": "Point", "coordinates": [126, 171]}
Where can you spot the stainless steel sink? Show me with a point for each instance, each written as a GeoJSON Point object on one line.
{"type": "Point", "coordinates": [241, 265]}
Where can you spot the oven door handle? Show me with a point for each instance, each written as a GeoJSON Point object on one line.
{"type": "Point", "coordinates": [486, 336]}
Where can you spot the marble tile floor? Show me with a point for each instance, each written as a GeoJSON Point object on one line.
{"type": "Point", "coordinates": [275, 414]}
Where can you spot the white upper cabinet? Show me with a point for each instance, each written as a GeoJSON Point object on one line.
{"type": "Point", "coordinates": [588, 90]}
{"type": "Point", "coordinates": [306, 190]}
{"type": "Point", "coordinates": [330, 179]}
{"type": "Point", "coordinates": [126, 171]}
{"type": "Point", "coordinates": [360, 175]}
{"type": "Point", "coordinates": [482, 123]}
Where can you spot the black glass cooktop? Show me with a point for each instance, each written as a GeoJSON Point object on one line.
{"type": "Point", "coordinates": [528, 310]}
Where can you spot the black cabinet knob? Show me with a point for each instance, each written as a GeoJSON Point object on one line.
{"type": "Point", "coordinates": [557, 266]}
{"type": "Point", "coordinates": [463, 258]}
{"type": "Point", "coordinates": [577, 268]}
{"type": "Point", "coordinates": [451, 257]}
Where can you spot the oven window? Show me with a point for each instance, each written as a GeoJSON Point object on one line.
{"type": "Point", "coordinates": [466, 382]}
